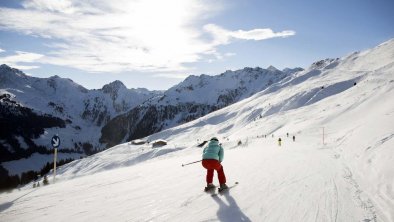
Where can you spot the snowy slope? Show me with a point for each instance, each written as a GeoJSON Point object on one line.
{"type": "Point", "coordinates": [196, 96]}
{"type": "Point", "coordinates": [348, 178]}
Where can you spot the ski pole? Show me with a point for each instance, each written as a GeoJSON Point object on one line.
{"type": "Point", "coordinates": [191, 163]}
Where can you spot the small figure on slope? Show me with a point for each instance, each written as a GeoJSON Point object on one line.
{"type": "Point", "coordinates": [293, 138]}
{"type": "Point", "coordinates": [211, 160]}
{"type": "Point", "coordinates": [280, 141]}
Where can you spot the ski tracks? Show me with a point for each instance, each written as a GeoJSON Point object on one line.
{"type": "Point", "coordinates": [341, 198]}
{"type": "Point", "coordinates": [328, 202]}
{"type": "Point", "coordinates": [359, 197]}
{"type": "Point", "coordinates": [326, 191]}
{"type": "Point", "coordinates": [192, 199]}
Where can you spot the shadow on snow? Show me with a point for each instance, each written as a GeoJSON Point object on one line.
{"type": "Point", "coordinates": [229, 211]}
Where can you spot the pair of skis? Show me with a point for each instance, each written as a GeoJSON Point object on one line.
{"type": "Point", "coordinates": [220, 190]}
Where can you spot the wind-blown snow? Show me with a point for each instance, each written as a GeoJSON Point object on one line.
{"type": "Point", "coordinates": [348, 178]}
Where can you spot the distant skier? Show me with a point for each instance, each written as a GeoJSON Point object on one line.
{"type": "Point", "coordinates": [287, 134]}
{"type": "Point", "coordinates": [280, 141]}
{"type": "Point", "coordinates": [211, 160]}
{"type": "Point", "coordinates": [293, 138]}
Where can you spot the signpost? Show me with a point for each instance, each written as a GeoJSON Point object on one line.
{"type": "Point", "coordinates": [55, 144]}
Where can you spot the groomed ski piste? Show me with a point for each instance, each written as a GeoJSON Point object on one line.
{"type": "Point", "coordinates": [343, 174]}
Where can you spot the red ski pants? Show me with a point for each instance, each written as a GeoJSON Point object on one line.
{"type": "Point", "coordinates": [212, 165]}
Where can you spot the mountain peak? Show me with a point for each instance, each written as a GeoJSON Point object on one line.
{"type": "Point", "coordinates": [272, 68]}
{"type": "Point", "coordinates": [55, 77]}
{"type": "Point", "coordinates": [10, 76]}
{"type": "Point", "coordinates": [113, 86]}
{"type": "Point", "coordinates": [4, 66]}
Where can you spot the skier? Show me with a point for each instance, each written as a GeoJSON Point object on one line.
{"type": "Point", "coordinates": [293, 138]}
{"type": "Point", "coordinates": [280, 141]}
{"type": "Point", "coordinates": [211, 160]}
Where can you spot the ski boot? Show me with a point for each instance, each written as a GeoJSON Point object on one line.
{"type": "Point", "coordinates": [222, 187]}
{"type": "Point", "coordinates": [209, 187]}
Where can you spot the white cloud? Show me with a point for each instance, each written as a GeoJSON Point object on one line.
{"type": "Point", "coordinates": [222, 36]}
{"type": "Point", "coordinates": [63, 6]}
{"type": "Point", "coordinates": [124, 35]}
{"type": "Point", "coordinates": [228, 54]}
{"type": "Point", "coordinates": [18, 60]}
{"type": "Point", "coordinates": [172, 75]}
{"type": "Point", "coordinates": [2, 50]}
{"type": "Point", "coordinates": [260, 34]}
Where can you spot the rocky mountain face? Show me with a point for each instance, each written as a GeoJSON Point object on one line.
{"type": "Point", "coordinates": [19, 127]}
{"type": "Point", "coordinates": [33, 109]}
{"type": "Point", "coordinates": [196, 96]}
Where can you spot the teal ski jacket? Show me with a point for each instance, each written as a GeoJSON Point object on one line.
{"type": "Point", "coordinates": [213, 151]}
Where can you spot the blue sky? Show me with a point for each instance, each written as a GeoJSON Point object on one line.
{"type": "Point", "coordinates": [156, 44]}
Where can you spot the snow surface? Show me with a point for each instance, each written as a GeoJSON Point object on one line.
{"type": "Point", "coordinates": [347, 175]}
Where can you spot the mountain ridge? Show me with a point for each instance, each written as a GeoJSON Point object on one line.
{"type": "Point", "coordinates": [194, 97]}
{"type": "Point", "coordinates": [85, 113]}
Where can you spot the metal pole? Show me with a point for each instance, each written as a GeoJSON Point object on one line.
{"type": "Point", "coordinates": [54, 165]}
{"type": "Point", "coordinates": [323, 135]}
{"type": "Point", "coordinates": [191, 163]}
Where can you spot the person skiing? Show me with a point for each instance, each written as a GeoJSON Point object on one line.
{"type": "Point", "coordinates": [212, 158]}
{"type": "Point", "coordinates": [280, 141]}
{"type": "Point", "coordinates": [293, 138]}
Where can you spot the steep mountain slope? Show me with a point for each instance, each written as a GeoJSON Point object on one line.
{"type": "Point", "coordinates": [33, 109]}
{"type": "Point", "coordinates": [348, 176]}
{"type": "Point", "coordinates": [18, 120]}
{"type": "Point", "coordinates": [196, 96]}
{"type": "Point", "coordinates": [82, 109]}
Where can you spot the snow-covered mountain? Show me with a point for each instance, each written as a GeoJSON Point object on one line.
{"type": "Point", "coordinates": [339, 168]}
{"type": "Point", "coordinates": [87, 121]}
{"type": "Point", "coordinates": [32, 110]}
{"type": "Point", "coordinates": [196, 96]}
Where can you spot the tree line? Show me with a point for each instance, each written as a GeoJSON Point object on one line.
{"type": "Point", "coordinates": [8, 182]}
